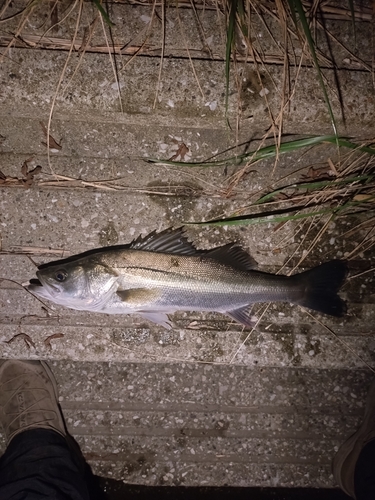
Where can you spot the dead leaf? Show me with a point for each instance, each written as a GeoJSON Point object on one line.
{"type": "Point", "coordinates": [181, 152]}
{"type": "Point", "coordinates": [23, 336]}
{"type": "Point", "coordinates": [47, 341]}
{"type": "Point", "coordinates": [53, 145]}
{"type": "Point", "coordinates": [28, 175]}
{"type": "Point", "coordinates": [320, 173]}
{"type": "Point", "coordinates": [35, 171]}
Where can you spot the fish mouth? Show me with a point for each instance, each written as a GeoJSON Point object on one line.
{"type": "Point", "coordinates": [34, 282]}
{"type": "Point", "coordinates": [35, 287]}
{"type": "Point", "coordinates": [40, 285]}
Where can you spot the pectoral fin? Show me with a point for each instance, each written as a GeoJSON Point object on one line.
{"type": "Point", "coordinates": [242, 315]}
{"type": "Point", "coordinates": [157, 317]}
{"type": "Point", "coordinates": [143, 298]}
{"type": "Point", "coordinates": [138, 297]}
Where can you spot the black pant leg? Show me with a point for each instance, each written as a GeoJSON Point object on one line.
{"type": "Point", "coordinates": [39, 464]}
{"type": "Point", "coordinates": [364, 474]}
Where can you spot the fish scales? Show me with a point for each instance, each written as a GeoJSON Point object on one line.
{"type": "Point", "coordinates": [197, 276]}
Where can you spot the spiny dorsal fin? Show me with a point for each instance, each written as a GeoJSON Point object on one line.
{"type": "Point", "coordinates": [233, 255]}
{"type": "Point", "coordinates": [168, 241]}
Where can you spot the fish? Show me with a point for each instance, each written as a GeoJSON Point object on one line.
{"type": "Point", "coordinates": [164, 272]}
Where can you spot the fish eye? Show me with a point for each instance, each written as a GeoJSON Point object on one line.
{"type": "Point", "coordinates": [61, 275]}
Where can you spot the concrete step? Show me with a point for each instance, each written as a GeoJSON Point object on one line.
{"type": "Point", "coordinates": [199, 424]}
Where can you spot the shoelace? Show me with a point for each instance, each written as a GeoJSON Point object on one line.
{"type": "Point", "coordinates": [34, 408]}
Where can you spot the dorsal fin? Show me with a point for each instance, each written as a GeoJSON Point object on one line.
{"type": "Point", "coordinates": [168, 241]}
{"type": "Point", "coordinates": [233, 255]}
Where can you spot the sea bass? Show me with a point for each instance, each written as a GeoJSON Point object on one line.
{"type": "Point", "coordinates": [163, 272]}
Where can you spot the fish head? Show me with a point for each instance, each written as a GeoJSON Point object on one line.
{"type": "Point", "coordinates": [82, 284]}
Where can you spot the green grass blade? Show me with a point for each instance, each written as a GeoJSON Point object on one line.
{"type": "Point", "coordinates": [269, 152]}
{"type": "Point", "coordinates": [279, 216]}
{"type": "Point", "coordinates": [312, 186]}
{"type": "Point", "coordinates": [246, 220]}
{"type": "Point", "coordinates": [296, 7]}
{"type": "Point", "coordinates": [104, 14]}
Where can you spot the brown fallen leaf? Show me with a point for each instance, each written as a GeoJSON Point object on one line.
{"type": "Point", "coordinates": [181, 152]}
{"type": "Point", "coordinates": [28, 175]}
{"type": "Point", "coordinates": [47, 341]}
{"type": "Point", "coordinates": [53, 145]}
{"type": "Point", "coordinates": [320, 173]}
{"type": "Point", "coordinates": [26, 179]}
{"type": "Point", "coordinates": [23, 336]}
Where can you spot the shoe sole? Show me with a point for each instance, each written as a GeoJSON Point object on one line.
{"type": "Point", "coordinates": [357, 440]}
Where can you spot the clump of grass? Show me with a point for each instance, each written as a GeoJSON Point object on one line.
{"type": "Point", "coordinates": [346, 189]}
{"type": "Point", "coordinates": [299, 18]}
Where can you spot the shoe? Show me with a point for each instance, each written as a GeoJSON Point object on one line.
{"type": "Point", "coordinates": [28, 398]}
{"type": "Point", "coordinates": [345, 460]}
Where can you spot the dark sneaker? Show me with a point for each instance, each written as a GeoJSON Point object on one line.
{"type": "Point", "coordinates": [344, 462]}
{"type": "Point", "coordinates": [28, 398]}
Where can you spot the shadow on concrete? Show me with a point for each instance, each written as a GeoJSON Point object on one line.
{"type": "Point", "coordinates": [117, 490]}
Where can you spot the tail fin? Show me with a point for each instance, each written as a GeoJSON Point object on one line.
{"type": "Point", "coordinates": [321, 285]}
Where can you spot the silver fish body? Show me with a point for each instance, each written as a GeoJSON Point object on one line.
{"type": "Point", "coordinates": [163, 273]}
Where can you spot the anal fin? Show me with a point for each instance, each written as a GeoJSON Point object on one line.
{"type": "Point", "coordinates": [242, 315]}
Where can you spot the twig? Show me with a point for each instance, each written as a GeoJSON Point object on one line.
{"type": "Point", "coordinates": [162, 51]}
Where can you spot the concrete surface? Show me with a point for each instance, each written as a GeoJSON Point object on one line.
{"type": "Point", "coordinates": [204, 403]}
